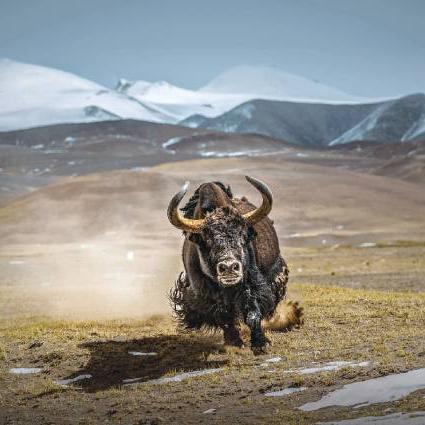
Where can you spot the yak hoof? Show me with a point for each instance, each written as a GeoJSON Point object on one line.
{"type": "Point", "coordinates": [258, 351]}
{"type": "Point", "coordinates": [260, 346]}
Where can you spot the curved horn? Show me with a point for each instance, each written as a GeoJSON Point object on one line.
{"type": "Point", "coordinates": [176, 219]}
{"type": "Point", "coordinates": [258, 214]}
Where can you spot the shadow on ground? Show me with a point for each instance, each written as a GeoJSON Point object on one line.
{"type": "Point", "coordinates": [110, 362]}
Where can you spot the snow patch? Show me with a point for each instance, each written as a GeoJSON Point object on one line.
{"type": "Point", "coordinates": [66, 382]}
{"type": "Point", "coordinates": [217, 154]}
{"type": "Point", "coordinates": [285, 391]}
{"type": "Point", "coordinates": [367, 245]}
{"type": "Point", "coordinates": [25, 370]}
{"type": "Point", "coordinates": [171, 142]}
{"type": "Point", "coordinates": [272, 360]}
{"type": "Point", "coordinates": [140, 353]}
{"type": "Point", "coordinates": [247, 110]}
{"type": "Point", "coordinates": [175, 378]}
{"type": "Point", "coordinates": [328, 367]}
{"type": "Point", "coordinates": [377, 390]}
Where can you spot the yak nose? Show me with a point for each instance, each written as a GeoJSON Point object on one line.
{"type": "Point", "coordinates": [229, 266]}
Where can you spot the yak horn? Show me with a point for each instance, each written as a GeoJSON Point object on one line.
{"type": "Point", "coordinates": [176, 219]}
{"type": "Point", "coordinates": [258, 214]}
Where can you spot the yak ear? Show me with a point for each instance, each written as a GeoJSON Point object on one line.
{"type": "Point", "coordinates": [252, 234]}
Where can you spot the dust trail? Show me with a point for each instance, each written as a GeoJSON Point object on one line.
{"type": "Point", "coordinates": [89, 248]}
{"type": "Point", "coordinates": [99, 278]}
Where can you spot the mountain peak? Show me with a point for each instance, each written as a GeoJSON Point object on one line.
{"type": "Point", "coordinates": [33, 95]}
{"type": "Point", "coordinates": [269, 82]}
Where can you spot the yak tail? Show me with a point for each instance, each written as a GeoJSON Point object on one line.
{"type": "Point", "coordinates": [288, 315]}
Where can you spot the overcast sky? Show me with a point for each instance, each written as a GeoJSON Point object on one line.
{"type": "Point", "coordinates": [365, 47]}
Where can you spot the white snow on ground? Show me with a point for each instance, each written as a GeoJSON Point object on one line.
{"type": "Point", "coordinates": [175, 378]}
{"type": "Point", "coordinates": [209, 411]}
{"type": "Point", "coordinates": [360, 131]}
{"type": "Point", "coordinates": [417, 129]}
{"type": "Point", "coordinates": [285, 391]}
{"type": "Point", "coordinates": [268, 362]}
{"type": "Point", "coordinates": [25, 370]}
{"type": "Point", "coordinates": [377, 390]}
{"type": "Point", "coordinates": [412, 418]}
{"type": "Point", "coordinates": [66, 382]}
{"type": "Point", "coordinates": [32, 95]}
{"type": "Point", "coordinates": [171, 142]}
{"type": "Point", "coordinates": [140, 353]}
{"type": "Point", "coordinates": [229, 154]}
{"type": "Point", "coordinates": [367, 245]}
{"type": "Point", "coordinates": [327, 367]}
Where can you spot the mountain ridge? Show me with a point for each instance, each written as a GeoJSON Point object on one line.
{"type": "Point", "coordinates": [32, 95]}
{"type": "Point", "coordinates": [316, 124]}
{"type": "Point", "coordinates": [243, 99]}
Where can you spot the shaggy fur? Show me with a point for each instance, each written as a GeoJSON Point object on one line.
{"type": "Point", "coordinates": [199, 301]}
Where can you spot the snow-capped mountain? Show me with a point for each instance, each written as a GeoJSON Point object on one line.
{"type": "Point", "coordinates": [32, 95]}
{"type": "Point", "coordinates": [320, 124]}
{"type": "Point", "coordinates": [241, 100]}
{"type": "Point", "coordinates": [231, 88]}
{"type": "Point", "coordinates": [270, 83]}
{"type": "Point", "coordinates": [178, 102]}
{"type": "Point", "coordinates": [398, 120]}
{"type": "Point", "coordinates": [307, 124]}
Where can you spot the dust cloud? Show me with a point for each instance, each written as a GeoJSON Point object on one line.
{"type": "Point", "coordinates": [92, 279]}
{"type": "Point", "coordinates": [97, 254]}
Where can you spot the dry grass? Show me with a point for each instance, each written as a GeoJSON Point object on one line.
{"type": "Point", "coordinates": [387, 329]}
{"type": "Point", "coordinates": [383, 327]}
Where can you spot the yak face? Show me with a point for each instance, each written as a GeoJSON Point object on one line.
{"type": "Point", "coordinates": [223, 245]}
{"type": "Point", "coordinates": [224, 236]}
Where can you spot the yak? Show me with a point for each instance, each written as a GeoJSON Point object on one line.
{"type": "Point", "coordinates": [233, 273]}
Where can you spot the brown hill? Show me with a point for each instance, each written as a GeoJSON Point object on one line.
{"type": "Point", "coordinates": [313, 205]}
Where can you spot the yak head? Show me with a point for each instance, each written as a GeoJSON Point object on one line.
{"type": "Point", "coordinates": [223, 236]}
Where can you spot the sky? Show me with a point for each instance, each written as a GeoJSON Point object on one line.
{"type": "Point", "coordinates": [363, 47]}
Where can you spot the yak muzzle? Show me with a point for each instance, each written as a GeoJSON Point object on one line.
{"type": "Point", "coordinates": [229, 272]}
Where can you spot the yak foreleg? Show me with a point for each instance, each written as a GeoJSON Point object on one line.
{"type": "Point", "coordinates": [232, 336]}
{"type": "Point", "coordinates": [253, 319]}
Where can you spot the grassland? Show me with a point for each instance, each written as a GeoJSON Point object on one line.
{"type": "Point", "coordinates": [351, 322]}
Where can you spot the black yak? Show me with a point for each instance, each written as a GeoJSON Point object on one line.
{"type": "Point", "coordinates": [234, 272]}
